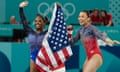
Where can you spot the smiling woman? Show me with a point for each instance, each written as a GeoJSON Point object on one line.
{"type": "Point", "coordinates": [89, 35]}
{"type": "Point", "coordinates": [35, 37]}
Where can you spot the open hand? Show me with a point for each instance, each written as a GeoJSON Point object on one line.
{"type": "Point", "coordinates": [116, 42]}
{"type": "Point", "coordinates": [23, 4]}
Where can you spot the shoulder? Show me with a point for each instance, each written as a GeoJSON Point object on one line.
{"type": "Point", "coordinates": [109, 15]}
{"type": "Point", "coordinates": [45, 31]}
{"type": "Point", "coordinates": [92, 27]}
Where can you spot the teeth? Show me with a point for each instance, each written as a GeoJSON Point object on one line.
{"type": "Point", "coordinates": [37, 25]}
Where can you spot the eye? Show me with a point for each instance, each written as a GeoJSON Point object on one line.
{"type": "Point", "coordinates": [82, 16]}
{"type": "Point", "coordinates": [40, 21]}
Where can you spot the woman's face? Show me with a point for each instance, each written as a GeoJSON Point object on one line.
{"type": "Point", "coordinates": [39, 23]}
{"type": "Point", "coordinates": [103, 14]}
{"type": "Point", "coordinates": [12, 19]}
{"type": "Point", "coordinates": [83, 18]}
{"type": "Point", "coordinates": [96, 13]}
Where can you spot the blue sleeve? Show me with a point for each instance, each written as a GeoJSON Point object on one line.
{"type": "Point", "coordinates": [76, 38]}
{"type": "Point", "coordinates": [26, 27]}
{"type": "Point", "coordinates": [98, 34]}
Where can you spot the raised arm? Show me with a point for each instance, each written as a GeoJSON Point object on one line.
{"type": "Point", "coordinates": [26, 27]}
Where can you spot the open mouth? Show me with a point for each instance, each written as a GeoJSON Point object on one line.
{"type": "Point", "coordinates": [38, 25]}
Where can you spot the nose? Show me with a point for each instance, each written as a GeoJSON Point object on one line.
{"type": "Point", "coordinates": [37, 22]}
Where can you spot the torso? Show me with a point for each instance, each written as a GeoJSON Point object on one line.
{"type": "Point", "coordinates": [35, 40]}
{"type": "Point", "coordinates": [89, 40]}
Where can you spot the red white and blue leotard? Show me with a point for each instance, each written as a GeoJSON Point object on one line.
{"type": "Point", "coordinates": [88, 36]}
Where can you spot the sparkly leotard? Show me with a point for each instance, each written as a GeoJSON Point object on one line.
{"type": "Point", "coordinates": [88, 36]}
{"type": "Point", "coordinates": [35, 39]}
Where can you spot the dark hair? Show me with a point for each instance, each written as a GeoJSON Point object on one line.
{"type": "Point", "coordinates": [104, 11]}
{"type": "Point", "coordinates": [96, 9]}
{"type": "Point", "coordinates": [87, 12]}
{"type": "Point", "coordinates": [90, 11]}
{"type": "Point", "coordinates": [44, 18]}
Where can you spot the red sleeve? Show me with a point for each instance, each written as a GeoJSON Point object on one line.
{"type": "Point", "coordinates": [109, 16]}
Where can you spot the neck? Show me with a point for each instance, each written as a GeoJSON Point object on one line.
{"type": "Point", "coordinates": [86, 25]}
{"type": "Point", "coordinates": [39, 30]}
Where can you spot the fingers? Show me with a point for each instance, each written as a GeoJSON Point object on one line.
{"type": "Point", "coordinates": [116, 42]}
{"type": "Point", "coordinates": [113, 42]}
{"type": "Point", "coordinates": [23, 4]}
{"type": "Point", "coordinates": [109, 41]}
{"type": "Point", "coordinates": [70, 31]}
{"type": "Point", "coordinates": [58, 4]}
{"type": "Point", "coordinates": [70, 26]}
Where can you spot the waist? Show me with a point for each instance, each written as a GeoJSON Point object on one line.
{"type": "Point", "coordinates": [35, 47]}
{"type": "Point", "coordinates": [90, 43]}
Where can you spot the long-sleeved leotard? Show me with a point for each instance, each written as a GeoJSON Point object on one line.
{"type": "Point", "coordinates": [35, 39]}
{"type": "Point", "coordinates": [88, 36]}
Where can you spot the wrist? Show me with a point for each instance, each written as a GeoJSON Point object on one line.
{"type": "Point", "coordinates": [20, 6]}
